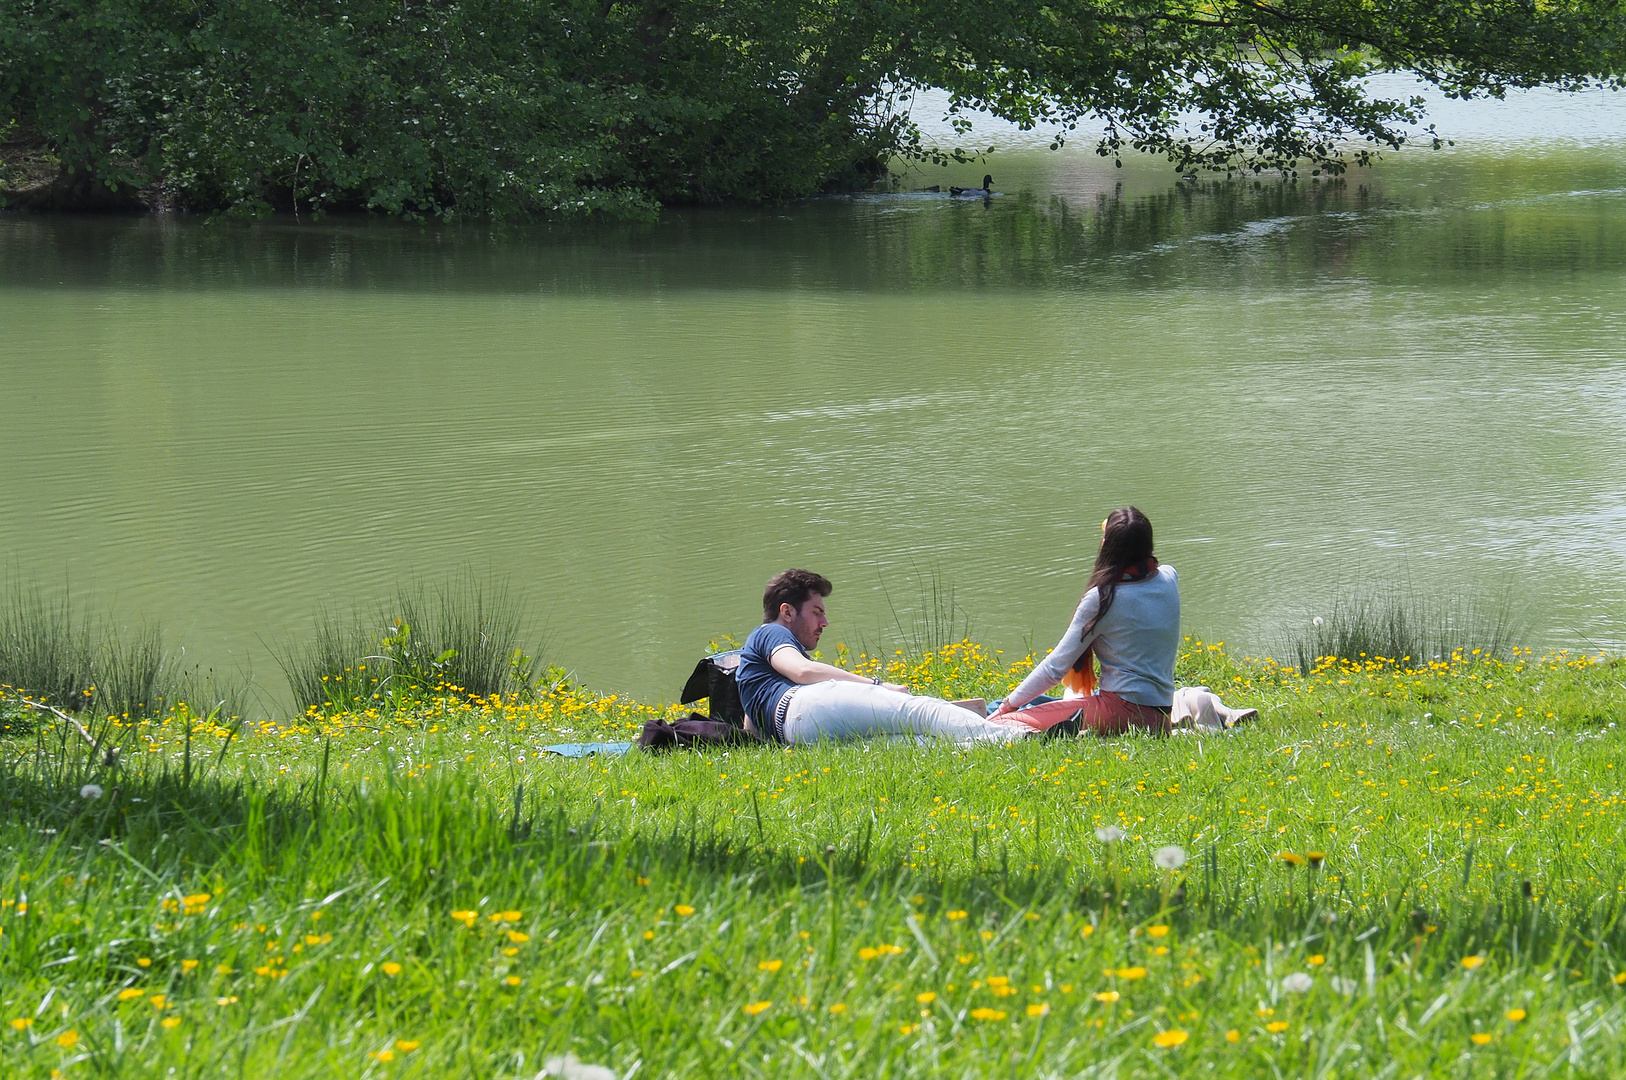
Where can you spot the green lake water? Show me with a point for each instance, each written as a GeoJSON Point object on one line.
{"type": "Point", "coordinates": [1416, 375]}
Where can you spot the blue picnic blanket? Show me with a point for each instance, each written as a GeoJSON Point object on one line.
{"type": "Point", "coordinates": [586, 749]}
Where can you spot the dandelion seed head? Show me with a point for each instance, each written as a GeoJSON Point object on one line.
{"type": "Point", "coordinates": [1170, 857]}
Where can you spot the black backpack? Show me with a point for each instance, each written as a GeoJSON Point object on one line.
{"type": "Point", "coordinates": [714, 678]}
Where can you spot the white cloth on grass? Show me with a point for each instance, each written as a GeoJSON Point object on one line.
{"type": "Point", "coordinates": [1199, 708]}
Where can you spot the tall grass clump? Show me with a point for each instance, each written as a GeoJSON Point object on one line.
{"type": "Point", "coordinates": [1398, 625]}
{"type": "Point", "coordinates": [47, 645]}
{"type": "Point", "coordinates": [54, 650]}
{"type": "Point", "coordinates": [934, 621]}
{"type": "Point", "coordinates": [463, 636]}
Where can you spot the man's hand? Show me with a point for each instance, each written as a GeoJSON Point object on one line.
{"type": "Point", "coordinates": [1005, 708]}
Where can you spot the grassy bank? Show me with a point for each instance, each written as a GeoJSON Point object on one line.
{"type": "Point", "coordinates": [1394, 872]}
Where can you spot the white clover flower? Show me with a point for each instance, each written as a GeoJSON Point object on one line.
{"type": "Point", "coordinates": [90, 792]}
{"type": "Point", "coordinates": [1318, 622]}
{"type": "Point", "coordinates": [1108, 834]}
{"type": "Point", "coordinates": [1171, 857]}
{"type": "Point", "coordinates": [1298, 983]}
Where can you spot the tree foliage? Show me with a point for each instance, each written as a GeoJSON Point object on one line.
{"type": "Point", "coordinates": [557, 107]}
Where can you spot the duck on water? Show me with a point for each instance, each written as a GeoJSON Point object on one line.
{"type": "Point", "coordinates": [984, 192]}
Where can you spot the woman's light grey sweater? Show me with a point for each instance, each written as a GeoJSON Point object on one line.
{"type": "Point", "coordinates": [1136, 643]}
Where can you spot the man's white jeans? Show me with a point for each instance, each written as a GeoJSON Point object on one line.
{"type": "Point", "coordinates": [848, 710]}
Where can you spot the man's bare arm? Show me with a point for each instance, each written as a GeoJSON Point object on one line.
{"type": "Point", "coordinates": [800, 670]}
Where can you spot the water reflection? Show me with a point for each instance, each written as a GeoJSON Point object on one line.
{"type": "Point", "coordinates": [1455, 219]}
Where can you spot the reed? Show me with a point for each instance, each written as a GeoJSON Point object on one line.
{"type": "Point", "coordinates": [48, 645]}
{"type": "Point", "coordinates": [1399, 625]}
{"type": "Point", "coordinates": [54, 649]}
{"type": "Point", "coordinates": [465, 635]}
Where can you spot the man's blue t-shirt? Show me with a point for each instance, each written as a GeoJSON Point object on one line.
{"type": "Point", "coordinates": [759, 684]}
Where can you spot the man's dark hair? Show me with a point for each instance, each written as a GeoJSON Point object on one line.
{"type": "Point", "coordinates": [792, 587]}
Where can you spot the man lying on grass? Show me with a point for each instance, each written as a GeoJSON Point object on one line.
{"type": "Point", "coordinates": [789, 697]}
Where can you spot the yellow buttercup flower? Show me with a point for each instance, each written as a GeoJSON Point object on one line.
{"type": "Point", "coordinates": [1276, 1027]}
{"type": "Point", "coordinates": [756, 1008]}
{"type": "Point", "coordinates": [1172, 1037]}
{"type": "Point", "coordinates": [130, 993]}
{"type": "Point", "coordinates": [1108, 996]}
{"type": "Point", "coordinates": [22, 1023]}
{"type": "Point", "coordinates": [926, 998]}
{"type": "Point", "coordinates": [987, 1014]}
{"type": "Point", "coordinates": [684, 909]}
{"type": "Point", "coordinates": [406, 1046]}
{"type": "Point", "coordinates": [1516, 1015]}
{"type": "Point", "coordinates": [390, 968]}
{"type": "Point", "coordinates": [466, 917]}
{"type": "Point", "coordinates": [1039, 1010]}
{"type": "Point", "coordinates": [1131, 973]}
{"type": "Point", "coordinates": [68, 1038]}
{"type": "Point", "coordinates": [518, 936]}
{"type": "Point", "coordinates": [1317, 959]}
{"type": "Point", "coordinates": [838, 1008]}
{"type": "Point", "coordinates": [1157, 931]}
{"type": "Point", "coordinates": [955, 915]}
{"type": "Point", "coordinates": [1480, 1038]}
{"type": "Point", "coordinates": [170, 1022]}
{"type": "Point", "coordinates": [770, 965]}
{"type": "Point", "coordinates": [1233, 1035]}
{"type": "Point", "coordinates": [1471, 962]}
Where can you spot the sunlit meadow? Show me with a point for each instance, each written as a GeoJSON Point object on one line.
{"type": "Point", "coordinates": [1400, 869]}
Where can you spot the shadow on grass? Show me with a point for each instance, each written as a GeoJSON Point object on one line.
{"type": "Point", "coordinates": [432, 844]}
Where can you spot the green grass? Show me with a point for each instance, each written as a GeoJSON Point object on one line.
{"type": "Point", "coordinates": [300, 895]}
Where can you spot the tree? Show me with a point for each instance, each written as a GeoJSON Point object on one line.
{"type": "Point", "coordinates": [559, 107]}
{"type": "Point", "coordinates": [1273, 85]}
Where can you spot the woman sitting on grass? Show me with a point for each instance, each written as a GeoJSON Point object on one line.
{"type": "Point", "coordinates": [1129, 619]}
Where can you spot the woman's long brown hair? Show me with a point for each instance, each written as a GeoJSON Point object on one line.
{"type": "Point", "coordinates": [1126, 539]}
